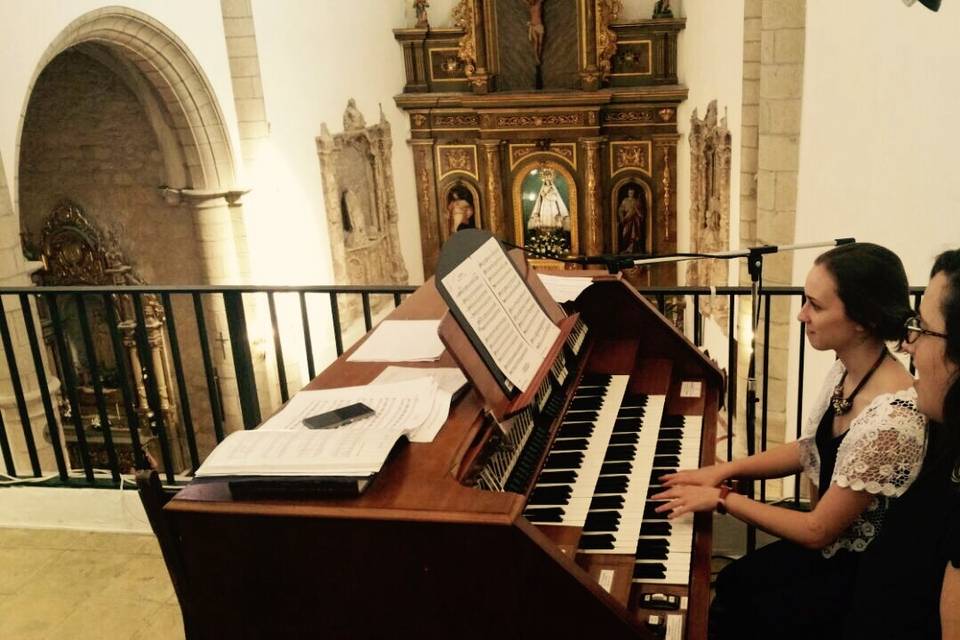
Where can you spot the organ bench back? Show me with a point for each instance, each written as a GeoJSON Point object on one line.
{"type": "Point", "coordinates": [423, 553]}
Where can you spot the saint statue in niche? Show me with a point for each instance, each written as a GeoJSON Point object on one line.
{"type": "Point", "coordinates": [460, 211]}
{"type": "Point", "coordinates": [631, 219]}
{"type": "Point", "coordinates": [545, 197]}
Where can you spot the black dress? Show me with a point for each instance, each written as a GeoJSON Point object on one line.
{"type": "Point", "coordinates": [897, 592]}
{"type": "Point", "coordinates": [785, 591]}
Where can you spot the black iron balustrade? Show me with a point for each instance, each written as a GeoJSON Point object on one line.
{"type": "Point", "coordinates": [131, 404]}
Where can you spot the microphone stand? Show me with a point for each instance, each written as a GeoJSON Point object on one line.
{"type": "Point", "coordinates": [754, 257]}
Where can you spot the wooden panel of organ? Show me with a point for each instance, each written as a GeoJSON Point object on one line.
{"type": "Point", "coordinates": [482, 532]}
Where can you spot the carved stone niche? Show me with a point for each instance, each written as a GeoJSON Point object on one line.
{"type": "Point", "coordinates": [356, 167]}
{"type": "Point", "coordinates": [710, 144]}
{"type": "Point", "coordinates": [524, 100]}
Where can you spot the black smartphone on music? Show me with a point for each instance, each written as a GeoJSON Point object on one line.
{"type": "Point", "coordinates": [338, 417]}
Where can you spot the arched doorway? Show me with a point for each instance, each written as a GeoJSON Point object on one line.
{"type": "Point", "coordinates": [121, 121]}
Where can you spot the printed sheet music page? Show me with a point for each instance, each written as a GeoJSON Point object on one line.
{"type": "Point", "coordinates": [502, 311]}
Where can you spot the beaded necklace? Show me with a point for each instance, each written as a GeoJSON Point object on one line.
{"type": "Point", "coordinates": [842, 405]}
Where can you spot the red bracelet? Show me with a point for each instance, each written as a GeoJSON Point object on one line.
{"type": "Point", "coordinates": [725, 490]}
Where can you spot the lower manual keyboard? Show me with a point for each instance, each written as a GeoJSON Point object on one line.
{"type": "Point", "coordinates": [664, 547]}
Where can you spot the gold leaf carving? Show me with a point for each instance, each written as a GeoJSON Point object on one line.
{"type": "Point", "coordinates": [631, 155]}
{"type": "Point", "coordinates": [467, 49]}
{"type": "Point", "coordinates": [607, 12]}
{"type": "Point", "coordinates": [520, 151]}
{"type": "Point", "coordinates": [627, 116]}
{"type": "Point", "coordinates": [548, 120]}
{"type": "Point", "coordinates": [454, 158]}
{"type": "Point", "coordinates": [456, 120]}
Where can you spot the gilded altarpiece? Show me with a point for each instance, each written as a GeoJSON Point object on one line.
{"type": "Point", "coordinates": [105, 350]}
{"type": "Point", "coordinates": [710, 149]}
{"type": "Point", "coordinates": [531, 120]}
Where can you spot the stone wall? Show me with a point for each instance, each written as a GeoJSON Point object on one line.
{"type": "Point", "coordinates": [87, 138]}
{"type": "Point", "coordinates": [774, 33]}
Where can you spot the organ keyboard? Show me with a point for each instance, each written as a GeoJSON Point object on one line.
{"type": "Point", "coordinates": [518, 520]}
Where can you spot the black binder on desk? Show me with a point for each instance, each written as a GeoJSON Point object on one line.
{"type": "Point", "coordinates": [256, 487]}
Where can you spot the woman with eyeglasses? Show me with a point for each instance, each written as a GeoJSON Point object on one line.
{"type": "Point", "coordinates": [862, 446]}
{"type": "Point", "coordinates": [908, 585]}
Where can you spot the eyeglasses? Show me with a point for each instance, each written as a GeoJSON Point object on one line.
{"type": "Point", "coordinates": [912, 330]}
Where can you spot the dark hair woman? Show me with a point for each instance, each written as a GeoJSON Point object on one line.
{"type": "Point", "coordinates": [909, 581]}
{"type": "Point", "coordinates": [862, 446]}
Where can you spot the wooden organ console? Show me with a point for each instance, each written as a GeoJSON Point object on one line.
{"type": "Point", "coordinates": [525, 517]}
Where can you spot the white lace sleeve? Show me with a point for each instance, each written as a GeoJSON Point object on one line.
{"type": "Point", "coordinates": [810, 458]}
{"type": "Point", "coordinates": [882, 454]}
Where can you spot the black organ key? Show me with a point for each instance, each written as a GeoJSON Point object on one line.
{"type": "Point", "coordinates": [616, 468]}
{"type": "Point", "coordinates": [543, 514]}
{"type": "Point", "coordinates": [606, 502]}
{"type": "Point", "coordinates": [580, 416]}
{"type": "Point", "coordinates": [595, 379]}
{"type": "Point", "coordinates": [571, 444]}
{"type": "Point", "coordinates": [668, 446]}
{"type": "Point", "coordinates": [620, 453]}
{"type": "Point", "coordinates": [596, 541]}
{"type": "Point", "coordinates": [576, 430]}
{"type": "Point", "coordinates": [664, 462]}
{"type": "Point", "coordinates": [612, 484]}
{"type": "Point", "coordinates": [565, 460]}
{"type": "Point", "coordinates": [601, 521]}
{"type": "Point", "coordinates": [655, 476]}
{"type": "Point", "coordinates": [624, 438]}
{"type": "Point", "coordinates": [672, 422]}
{"type": "Point", "coordinates": [557, 477]}
{"type": "Point", "coordinates": [656, 528]}
{"type": "Point", "coordinates": [670, 434]}
{"type": "Point", "coordinates": [586, 404]}
{"type": "Point", "coordinates": [653, 570]}
{"type": "Point", "coordinates": [653, 554]}
{"type": "Point", "coordinates": [627, 425]}
{"type": "Point", "coordinates": [634, 400]}
{"type": "Point", "coordinates": [558, 494]}
{"type": "Point", "coordinates": [650, 514]}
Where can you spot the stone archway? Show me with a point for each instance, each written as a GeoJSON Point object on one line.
{"type": "Point", "coordinates": [199, 166]}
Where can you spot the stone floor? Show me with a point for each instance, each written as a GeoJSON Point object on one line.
{"type": "Point", "coordinates": [81, 584]}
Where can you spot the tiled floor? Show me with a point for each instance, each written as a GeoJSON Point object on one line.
{"type": "Point", "coordinates": [79, 584]}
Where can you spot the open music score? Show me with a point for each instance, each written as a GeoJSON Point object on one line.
{"type": "Point", "coordinates": [528, 514]}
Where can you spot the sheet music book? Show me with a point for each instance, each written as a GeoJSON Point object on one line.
{"type": "Point", "coordinates": [496, 309]}
{"type": "Point", "coordinates": [283, 455]}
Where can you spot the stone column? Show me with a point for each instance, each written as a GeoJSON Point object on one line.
{"type": "Point", "coordinates": [215, 217]}
{"type": "Point", "coordinates": [27, 376]}
{"type": "Point", "coordinates": [592, 198]}
{"type": "Point", "coordinates": [425, 173]}
{"type": "Point", "coordinates": [774, 33]}
{"type": "Point", "coordinates": [493, 193]}
{"type": "Point", "coordinates": [15, 272]}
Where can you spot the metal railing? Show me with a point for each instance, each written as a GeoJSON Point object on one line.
{"type": "Point", "coordinates": [143, 386]}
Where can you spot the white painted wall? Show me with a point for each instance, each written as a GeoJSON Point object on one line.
{"type": "Point", "coordinates": [879, 137]}
{"type": "Point", "coordinates": [28, 28]}
{"type": "Point", "coordinates": [314, 56]}
{"type": "Point", "coordinates": [710, 64]}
